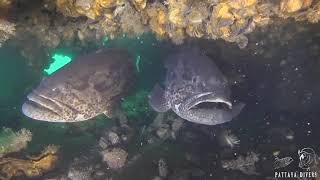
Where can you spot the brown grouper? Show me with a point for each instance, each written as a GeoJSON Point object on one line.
{"type": "Point", "coordinates": [88, 86]}
{"type": "Point", "coordinates": [195, 89]}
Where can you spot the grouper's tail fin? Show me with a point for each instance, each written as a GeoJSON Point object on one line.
{"type": "Point", "coordinates": [157, 99]}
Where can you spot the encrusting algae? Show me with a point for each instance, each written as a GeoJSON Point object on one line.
{"type": "Point", "coordinates": [5, 6]}
{"type": "Point", "coordinates": [291, 6]}
{"type": "Point", "coordinates": [157, 14]}
{"type": "Point", "coordinates": [33, 166]}
{"type": "Point", "coordinates": [90, 8]}
{"type": "Point", "coordinates": [4, 3]}
{"type": "Point", "coordinates": [300, 10]}
{"type": "Point", "coordinates": [139, 4]}
{"type": "Point", "coordinates": [230, 20]}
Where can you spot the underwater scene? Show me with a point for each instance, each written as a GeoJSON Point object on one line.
{"type": "Point", "coordinates": [159, 89]}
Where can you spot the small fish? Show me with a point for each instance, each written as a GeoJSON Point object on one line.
{"type": "Point", "coordinates": [195, 89]}
{"type": "Point", "coordinates": [88, 86]}
{"type": "Point", "coordinates": [229, 139]}
{"type": "Point", "coordinates": [283, 162]}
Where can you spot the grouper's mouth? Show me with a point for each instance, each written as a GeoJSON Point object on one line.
{"type": "Point", "coordinates": [208, 108]}
{"type": "Point", "coordinates": [211, 105]}
{"type": "Point", "coordinates": [42, 108]}
{"type": "Point", "coordinates": [207, 100]}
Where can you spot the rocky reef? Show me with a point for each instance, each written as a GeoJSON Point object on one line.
{"type": "Point", "coordinates": [33, 166]}
{"type": "Point", "coordinates": [13, 164]}
{"type": "Point", "coordinates": [66, 21]}
{"type": "Point", "coordinates": [115, 158]}
{"type": "Point", "coordinates": [127, 145]}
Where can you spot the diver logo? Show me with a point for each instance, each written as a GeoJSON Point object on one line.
{"type": "Point", "coordinates": [307, 158]}
{"type": "Point", "coordinates": [283, 162]}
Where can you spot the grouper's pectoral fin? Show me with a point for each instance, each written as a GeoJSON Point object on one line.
{"type": "Point", "coordinates": [108, 114]}
{"type": "Point", "coordinates": [112, 110]}
{"type": "Point", "coordinates": [157, 99]}
{"type": "Point", "coordinates": [236, 109]}
{"type": "Point", "coordinates": [118, 114]}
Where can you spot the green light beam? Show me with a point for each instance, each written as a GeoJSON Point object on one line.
{"type": "Point", "coordinates": [59, 61]}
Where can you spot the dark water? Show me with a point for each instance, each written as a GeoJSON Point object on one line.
{"type": "Point", "coordinates": [276, 76]}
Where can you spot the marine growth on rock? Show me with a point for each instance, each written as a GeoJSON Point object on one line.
{"type": "Point", "coordinates": [33, 166]}
{"type": "Point", "coordinates": [92, 20]}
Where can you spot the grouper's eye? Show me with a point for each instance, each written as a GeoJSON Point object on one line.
{"type": "Point", "coordinates": [79, 85]}
{"type": "Point", "coordinates": [211, 105]}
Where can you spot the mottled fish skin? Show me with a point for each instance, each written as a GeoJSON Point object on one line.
{"type": "Point", "coordinates": [90, 85]}
{"type": "Point", "coordinates": [193, 79]}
